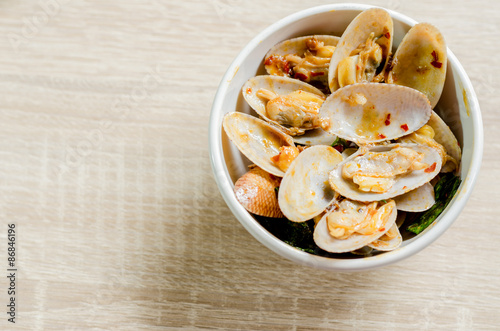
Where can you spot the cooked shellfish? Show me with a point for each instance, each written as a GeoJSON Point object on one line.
{"type": "Point", "coordinates": [256, 191]}
{"type": "Point", "coordinates": [257, 140]}
{"type": "Point", "coordinates": [419, 199]}
{"type": "Point", "coordinates": [389, 241]}
{"type": "Point", "coordinates": [383, 172]}
{"type": "Point", "coordinates": [288, 103]}
{"type": "Point", "coordinates": [306, 58]}
{"type": "Point", "coordinates": [445, 137]}
{"type": "Point", "coordinates": [354, 198]}
{"type": "Point", "coordinates": [363, 51]}
{"type": "Point", "coordinates": [420, 62]}
{"type": "Point", "coordinates": [426, 136]}
{"type": "Point", "coordinates": [354, 225]}
{"type": "Point", "coordinates": [370, 112]}
{"type": "Point", "coordinates": [305, 192]}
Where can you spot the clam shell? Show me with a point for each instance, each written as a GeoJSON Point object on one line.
{"type": "Point", "coordinates": [419, 199]}
{"type": "Point", "coordinates": [305, 191]}
{"type": "Point", "coordinates": [256, 139]}
{"type": "Point", "coordinates": [315, 137]}
{"type": "Point", "coordinates": [390, 111]}
{"type": "Point", "coordinates": [297, 46]}
{"type": "Point", "coordinates": [279, 86]}
{"type": "Point", "coordinates": [256, 192]}
{"type": "Point", "coordinates": [445, 137]}
{"type": "Point", "coordinates": [325, 241]}
{"type": "Point", "coordinates": [387, 245]}
{"type": "Point", "coordinates": [420, 62]}
{"type": "Point", "coordinates": [404, 183]}
{"type": "Point", "coordinates": [374, 20]}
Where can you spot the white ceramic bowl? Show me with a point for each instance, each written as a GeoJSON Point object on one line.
{"type": "Point", "coordinates": [458, 106]}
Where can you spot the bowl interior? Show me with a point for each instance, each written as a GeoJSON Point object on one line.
{"type": "Point", "coordinates": [457, 106]}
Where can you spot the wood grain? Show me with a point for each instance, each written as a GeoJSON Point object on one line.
{"type": "Point", "coordinates": [105, 171]}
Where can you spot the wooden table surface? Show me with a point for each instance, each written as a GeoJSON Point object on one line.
{"type": "Point", "coordinates": [119, 223]}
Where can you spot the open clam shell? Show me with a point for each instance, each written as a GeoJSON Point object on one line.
{"type": "Point", "coordinates": [276, 84]}
{"type": "Point", "coordinates": [299, 47]}
{"type": "Point", "coordinates": [305, 191]}
{"type": "Point", "coordinates": [417, 200]}
{"type": "Point", "coordinates": [372, 112]}
{"type": "Point", "coordinates": [327, 242]}
{"type": "Point", "coordinates": [403, 183]}
{"type": "Point", "coordinates": [385, 244]}
{"type": "Point", "coordinates": [256, 139]}
{"type": "Point", "coordinates": [374, 20]}
{"type": "Point", "coordinates": [283, 86]}
{"type": "Point", "coordinates": [445, 137]}
{"type": "Point", "coordinates": [256, 191]}
{"type": "Point", "coordinates": [420, 62]}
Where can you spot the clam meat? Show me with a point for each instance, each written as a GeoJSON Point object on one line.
{"type": "Point", "coordinates": [306, 58]}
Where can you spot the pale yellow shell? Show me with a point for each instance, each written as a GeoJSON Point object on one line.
{"type": "Point", "coordinates": [420, 62]}
{"type": "Point", "coordinates": [325, 241]}
{"type": "Point", "coordinates": [256, 139]}
{"type": "Point", "coordinates": [445, 137]}
{"type": "Point", "coordinates": [297, 46]}
{"type": "Point", "coordinates": [374, 20]}
{"type": "Point", "coordinates": [305, 191]}
{"type": "Point", "coordinates": [385, 244]}
{"type": "Point", "coordinates": [403, 183]}
{"type": "Point", "coordinates": [372, 112]}
{"type": "Point", "coordinates": [417, 200]}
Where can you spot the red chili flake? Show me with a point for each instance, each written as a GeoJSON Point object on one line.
{"type": "Point", "coordinates": [382, 229]}
{"type": "Point", "coordinates": [388, 119]}
{"type": "Point", "coordinates": [404, 187]}
{"type": "Point", "coordinates": [431, 168]}
{"type": "Point", "coordinates": [280, 62]}
{"type": "Point", "coordinates": [314, 74]}
{"type": "Point", "coordinates": [404, 127]}
{"type": "Point", "coordinates": [300, 76]}
{"type": "Point", "coordinates": [381, 136]}
{"type": "Point", "coordinates": [249, 90]}
{"type": "Point", "coordinates": [286, 68]}
{"type": "Point", "coordinates": [435, 62]}
{"type": "Point", "coordinates": [387, 35]}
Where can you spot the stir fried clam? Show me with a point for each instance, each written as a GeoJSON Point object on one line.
{"type": "Point", "coordinates": [305, 192]}
{"type": "Point", "coordinates": [384, 172]}
{"type": "Point", "coordinates": [371, 113]}
{"type": "Point", "coordinates": [291, 105]}
{"type": "Point", "coordinates": [419, 199]}
{"type": "Point", "coordinates": [354, 225]}
{"type": "Point", "coordinates": [420, 62]}
{"type": "Point", "coordinates": [363, 51]}
{"type": "Point", "coordinates": [394, 145]}
{"type": "Point", "coordinates": [259, 142]}
{"type": "Point", "coordinates": [305, 58]}
{"type": "Point", "coordinates": [389, 241]}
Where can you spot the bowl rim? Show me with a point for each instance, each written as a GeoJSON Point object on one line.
{"type": "Point", "coordinates": [226, 185]}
